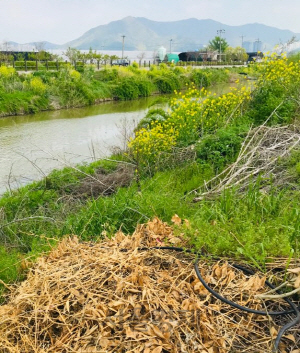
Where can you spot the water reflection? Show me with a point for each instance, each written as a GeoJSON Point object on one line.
{"type": "Point", "coordinates": [31, 146]}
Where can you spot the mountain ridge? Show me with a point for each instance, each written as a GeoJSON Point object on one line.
{"type": "Point", "coordinates": [143, 34]}
{"type": "Point", "coordinates": [187, 34]}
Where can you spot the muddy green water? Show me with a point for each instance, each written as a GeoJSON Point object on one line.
{"type": "Point", "coordinates": [33, 145]}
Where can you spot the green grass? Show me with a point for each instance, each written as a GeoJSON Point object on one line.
{"type": "Point", "coordinates": [45, 90]}
{"type": "Point", "coordinates": [251, 225]}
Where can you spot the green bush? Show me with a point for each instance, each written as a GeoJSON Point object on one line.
{"type": "Point", "coordinates": [145, 87]}
{"type": "Point", "coordinates": [127, 89]}
{"type": "Point", "coordinates": [167, 83]}
{"type": "Point", "coordinates": [152, 116]}
{"type": "Point", "coordinates": [266, 100]}
{"type": "Point", "coordinates": [107, 75]}
{"type": "Point", "coordinates": [200, 78]}
{"type": "Point", "coordinates": [221, 148]}
{"type": "Point", "coordinates": [135, 65]}
{"type": "Point", "coordinates": [20, 65]}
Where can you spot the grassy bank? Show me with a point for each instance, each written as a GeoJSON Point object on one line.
{"type": "Point", "coordinates": [30, 93]}
{"type": "Point", "coordinates": [175, 160]}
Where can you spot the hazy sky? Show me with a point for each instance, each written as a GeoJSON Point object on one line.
{"type": "Point", "coordinates": [59, 21]}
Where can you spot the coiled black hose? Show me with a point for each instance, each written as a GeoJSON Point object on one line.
{"type": "Point", "coordinates": [294, 309]}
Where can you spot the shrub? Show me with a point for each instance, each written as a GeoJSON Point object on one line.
{"type": "Point", "coordinates": [127, 89]}
{"type": "Point", "coordinates": [145, 87]}
{"type": "Point", "coordinates": [133, 87]}
{"type": "Point", "coordinates": [6, 72]}
{"type": "Point", "coordinates": [135, 65]}
{"type": "Point", "coordinates": [153, 115]}
{"type": "Point", "coordinates": [221, 148]}
{"type": "Point", "coordinates": [167, 83]}
{"type": "Point", "coordinates": [37, 85]}
{"type": "Point", "coordinates": [107, 75]}
{"type": "Point", "coordinates": [200, 78]}
{"type": "Point", "coordinates": [277, 87]}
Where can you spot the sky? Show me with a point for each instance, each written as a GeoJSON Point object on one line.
{"type": "Point", "coordinates": [59, 21]}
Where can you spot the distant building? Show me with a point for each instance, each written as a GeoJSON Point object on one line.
{"type": "Point", "coordinates": [248, 46]}
{"type": "Point", "coordinates": [257, 46]}
{"type": "Point", "coordinates": [172, 58]}
{"type": "Point", "coordinates": [203, 55]}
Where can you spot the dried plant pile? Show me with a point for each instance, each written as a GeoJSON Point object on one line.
{"type": "Point", "coordinates": [262, 149]}
{"type": "Point", "coordinates": [104, 183]}
{"type": "Point", "coordinates": [112, 297]}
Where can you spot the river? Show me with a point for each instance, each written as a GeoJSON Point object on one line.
{"type": "Point", "coordinates": [31, 146]}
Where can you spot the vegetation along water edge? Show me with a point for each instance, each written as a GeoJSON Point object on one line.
{"type": "Point", "coordinates": [229, 164]}
{"type": "Point", "coordinates": [49, 90]}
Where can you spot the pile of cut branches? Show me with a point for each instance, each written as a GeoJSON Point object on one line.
{"type": "Point", "coordinates": [260, 153]}
{"type": "Point", "coordinates": [116, 296]}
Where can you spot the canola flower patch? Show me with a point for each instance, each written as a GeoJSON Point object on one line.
{"type": "Point", "coordinates": [192, 114]}
{"type": "Point", "coordinates": [196, 112]}
{"type": "Point", "coordinates": [114, 297]}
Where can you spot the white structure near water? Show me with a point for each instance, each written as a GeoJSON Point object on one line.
{"type": "Point", "coordinates": [161, 53]}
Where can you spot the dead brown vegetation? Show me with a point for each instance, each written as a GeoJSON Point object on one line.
{"type": "Point", "coordinates": [113, 297]}
{"type": "Point", "coordinates": [104, 183]}
{"type": "Point", "coordinates": [261, 152]}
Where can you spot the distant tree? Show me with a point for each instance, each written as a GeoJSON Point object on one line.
{"type": "Point", "coordinates": [141, 56]}
{"type": "Point", "coordinates": [215, 44]}
{"type": "Point", "coordinates": [285, 47]}
{"type": "Point", "coordinates": [20, 57]}
{"type": "Point", "coordinates": [40, 52]}
{"type": "Point", "coordinates": [91, 56]}
{"type": "Point", "coordinates": [6, 48]}
{"type": "Point", "coordinates": [236, 54]}
{"type": "Point", "coordinates": [105, 58]}
{"type": "Point", "coordinates": [40, 55]}
{"type": "Point", "coordinates": [72, 54]}
{"type": "Point", "coordinates": [113, 57]}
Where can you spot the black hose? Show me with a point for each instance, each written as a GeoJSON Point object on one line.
{"type": "Point", "coordinates": [294, 308]}
{"type": "Point", "coordinates": [233, 304]}
{"type": "Point", "coordinates": [252, 311]}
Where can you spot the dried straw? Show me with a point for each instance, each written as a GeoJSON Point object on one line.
{"type": "Point", "coordinates": [112, 297]}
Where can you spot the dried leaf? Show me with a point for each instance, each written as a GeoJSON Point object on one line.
{"type": "Point", "coordinates": [294, 270]}
{"type": "Point", "coordinates": [297, 282]}
{"type": "Point", "coordinates": [291, 338]}
{"type": "Point", "coordinates": [273, 332]}
{"type": "Point", "coordinates": [176, 220]}
{"type": "Point", "coordinates": [157, 331]}
{"type": "Point", "coordinates": [157, 349]}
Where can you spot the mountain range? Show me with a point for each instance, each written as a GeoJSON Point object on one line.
{"type": "Point", "coordinates": [142, 34]}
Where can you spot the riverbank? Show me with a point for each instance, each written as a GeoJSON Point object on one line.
{"type": "Point", "coordinates": [176, 159]}
{"type": "Point", "coordinates": [67, 88]}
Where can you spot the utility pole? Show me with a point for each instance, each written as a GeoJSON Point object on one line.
{"type": "Point", "coordinates": [123, 37]}
{"type": "Point", "coordinates": [219, 32]}
{"type": "Point", "coordinates": [242, 40]}
{"type": "Point", "coordinates": [257, 44]}
{"type": "Point", "coordinates": [171, 46]}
